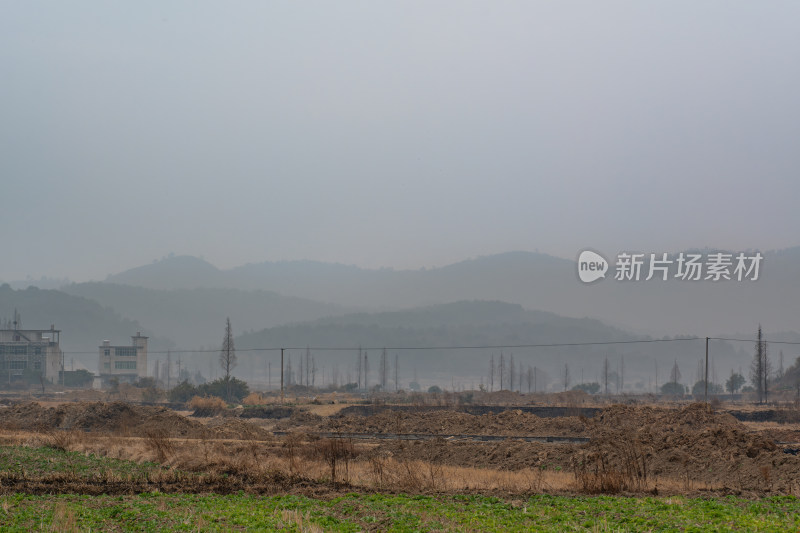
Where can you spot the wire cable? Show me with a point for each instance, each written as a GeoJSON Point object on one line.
{"type": "Point", "coordinates": [425, 348]}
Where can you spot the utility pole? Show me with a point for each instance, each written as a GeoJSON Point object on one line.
{"type": "Point", "coordinates": [179, 368]}
{"type": "Point", "coordinates": [281, 375]}
{"type": "Point", "coordinates": [706, 376]}
{"type": "Point", "coordinates": [169, 364]}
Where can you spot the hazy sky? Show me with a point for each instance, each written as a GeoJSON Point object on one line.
{"type": "Point", "coordinates": [392, 133]}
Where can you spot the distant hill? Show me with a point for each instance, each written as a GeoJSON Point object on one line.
{"type": "Point", "coordinates": [474, 324]}
{"type": "Point", "coordinates": [174, 272]}
{"type": "Point", "coordinates": [502, 277]}
{"type": "Point", "coordinates": [196, 317]}
{"type": "Point", "coordinates": [84, 323]}
{"type": "Point", "coordinates": [533, 280]}
{"type": "Point", "coordinates": [41, 283]}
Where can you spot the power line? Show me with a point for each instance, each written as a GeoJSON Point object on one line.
{"type": "Point", "coordinates": [430, 348]}
{"type": "Point", "coordinates": [751, 340]}
{"type": "Point", "coordinates": [474, 347]}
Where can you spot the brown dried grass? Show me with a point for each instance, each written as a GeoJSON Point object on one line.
{"type": "Point", "coordinates": [208, 402]}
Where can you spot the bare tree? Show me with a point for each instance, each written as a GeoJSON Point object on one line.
{"type": "Point", "coordinates": [491, 374]}
{"type": "Point", "coordinates": [530, 378]}
{"type": "Point", "coordinates": [699, 374]}
{"type": "Point", "coordinates": [675, 373]}
{"type": "Point", "coordinates": [308, 366]}
{"type": "Point", "coordinates": [169, 364]}
{"type": "Point", "coordinates": [760, 367]}
{"type": "Point", "coordinates": [384, 370]}
{"type": "Point", "coordinates": [396, 374]}
{"type": "Point", "coordinates": [621, 372]}
{"type": "Point", "coordinates": [366, 372]}
{"type": "Point", "coordinates": [767, 369]}
{"type": "Point", "coordinates": [502, 369]}
{"type": "Point", "coordinates": [605, 375]}
{"type": "Point", "coordinates": [713, 370]}
{"type": "Point", "coordinates": [656, 363]}
{"type": "Point", "coordinates": [358, 369]}
{"type": "Point", "coordinates": [227, 356]}
{"type": "Point", "coordinates": [511, 372]}
{"type": "Point", "coordinates": [565, 378]}
{"type": "Point", "coordinates": [301, 372]}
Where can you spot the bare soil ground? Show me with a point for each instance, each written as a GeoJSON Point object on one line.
{"type": "Point", "coordinates": [694, 443]}
{"type": "Point", "coordinates": [783, 433]}
{"type": "Point", "coordinates": [680, 449]}
{"type": "Point", "coordinates": [506, 423]}
{"type": "Point", "coordinates": [122, 419]}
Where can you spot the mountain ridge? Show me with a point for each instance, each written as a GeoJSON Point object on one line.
{"type": "Point", "coordinates": [535, 281]}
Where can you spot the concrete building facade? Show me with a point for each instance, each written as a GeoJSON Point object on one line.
{"type": "Point", "coordinates": [126, 363]}
{"type": "Point", "coordinates": [23, 351]}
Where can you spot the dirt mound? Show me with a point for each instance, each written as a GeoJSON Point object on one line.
{"type": "Point", "coordinates": [267, 411]}
{"type": "Point", "coordinates": [695, 429]}
{"type": "Point", "coordinates": [506, 423]}
{"type": "Point", "coordinates": [301, 420]}
{"type": "Point", "coordinates": [788, 436]}
{"type": "Point", "coordinates": [694, 443]}
{"type": "Point", "coordinates": [236, 428]}
{"type": "Point", "coordinates": [117, 418]}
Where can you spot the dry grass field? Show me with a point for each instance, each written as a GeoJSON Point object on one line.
{"type": "Point", "coordinates": [314, 465]}
{"type": "Point", "coordinates": [682, 449]}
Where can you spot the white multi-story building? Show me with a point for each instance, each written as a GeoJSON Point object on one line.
{"type": "Point", "coordinates": [126, 363]}
{"type": "Point", "coordinates": [30, 350]}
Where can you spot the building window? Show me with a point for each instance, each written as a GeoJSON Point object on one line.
{"type": "Point", "coordinates": [19, 365]}
{"type": "Point", "coordinates": [124, 351]}
{"type": "Point", "coordinates": [106, 352]}
{"type": "Point", "coordinates": [125, 365]}
{"type": "Point", "coordinates": [37, 365]}
{"type": "Point", "coordinates": [107, 366]}
{"type": "Point", "coordinates": [19, 350]}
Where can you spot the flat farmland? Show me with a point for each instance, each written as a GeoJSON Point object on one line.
{"type": "Point", "coordinates": [122, 466]}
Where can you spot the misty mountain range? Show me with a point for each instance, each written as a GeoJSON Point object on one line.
{"type": "Point", "coordinates": [511, 298]}
{"type": "Point", "coordinates": [533, 280]}
{"type": "Point", "coordinates": [190, 317]}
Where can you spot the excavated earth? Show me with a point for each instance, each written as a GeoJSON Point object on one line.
{"type": "Point", "coordinates": [506, 423]}
{"type": "Point", "coordinates": [122, 419]}
{"type": "Point", "coordinates": [439, 422]}
{"type": "Point", "coordinates": [693, 445]}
